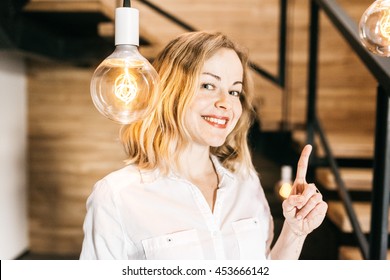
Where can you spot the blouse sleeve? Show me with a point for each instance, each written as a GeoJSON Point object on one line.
{"type": "Point", "coordinates": [104, 236]}
{"type": "Point", "coordinates": [270, 237]}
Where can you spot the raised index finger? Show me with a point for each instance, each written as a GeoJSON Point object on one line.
{"type": "Point", "coordinates": [303, 164]}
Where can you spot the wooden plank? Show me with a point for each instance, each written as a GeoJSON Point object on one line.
{"type": "Point", "coordinates": [337, 214]}
{"type": "Point", "coordinates": [105, 7]}
{"type": "Point", "coordinates": [355, 179]}
{"type": "Point", "coordinates": [353, 253]}
{"type": "Point", "coordinates": [70, 147]}
{"type": "Point", "coordinates": [348, 144]}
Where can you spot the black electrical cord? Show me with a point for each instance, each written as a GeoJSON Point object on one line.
{"type": "Point", "coordinates": [126, 3]}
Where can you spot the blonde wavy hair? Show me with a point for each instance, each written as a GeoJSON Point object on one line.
{"type": "Point", "coordinates": [158, 140]}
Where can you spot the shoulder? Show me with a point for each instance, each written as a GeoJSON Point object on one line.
{"type": "Point", "coordinates": [113, 183]}
{"type": "Point", "coordinates": [123, 176]}
{"type": "Point", "coordinates": [250, 184]}
{"type": "Point", "coordinates": [249, 176]}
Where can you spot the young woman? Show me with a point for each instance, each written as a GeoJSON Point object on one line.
{"type": "Point", "coordinates": [190, 190]}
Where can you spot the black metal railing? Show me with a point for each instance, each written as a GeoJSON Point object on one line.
{"type": "Point", "coordinates": [376, 247]}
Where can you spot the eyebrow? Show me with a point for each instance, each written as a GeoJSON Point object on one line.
{"type": "Point", "coordinates": [219, 78]}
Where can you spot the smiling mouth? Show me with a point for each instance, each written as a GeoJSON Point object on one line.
{"type": "Point", "coordinates": [218, 122]}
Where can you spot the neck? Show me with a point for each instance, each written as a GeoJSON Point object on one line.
{"type": "Point", "coordinates": [199, 156]}
{"type": "Point", "coordinates": [201, 172]}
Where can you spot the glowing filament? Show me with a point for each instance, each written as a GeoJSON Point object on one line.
{"type": "Point", "coordinates": [385, 25]}
{"type": "Point", "coordinates": [125, 87]}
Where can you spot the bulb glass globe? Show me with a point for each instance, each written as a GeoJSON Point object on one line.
{"type": "Point", "coordinates": [124, 85]}
{"type": "Point", "coordinates": [374, 28]}
{"type": "Point", "coordinates": [284, 186]}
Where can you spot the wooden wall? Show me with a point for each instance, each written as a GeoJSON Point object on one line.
{"type": "Point", "coordinates": [71, 145]}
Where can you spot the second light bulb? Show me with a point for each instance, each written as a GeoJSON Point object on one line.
{"type": "Point", "coordinates": [123, 85]}
{"type": "Point", "coordinates": [374, 28]}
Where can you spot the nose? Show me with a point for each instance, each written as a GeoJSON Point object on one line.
{"type": "Point", "coordinates": [223, 102]}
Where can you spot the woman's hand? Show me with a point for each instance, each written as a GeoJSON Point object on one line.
{"type": "Point", "coordinates": [304, 209]}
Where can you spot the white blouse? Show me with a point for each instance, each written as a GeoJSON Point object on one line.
{"type": "Point", "coordinates": [135, 215]}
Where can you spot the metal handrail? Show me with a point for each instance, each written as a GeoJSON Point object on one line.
{"type": "Point", "coordinates": [314, 126]}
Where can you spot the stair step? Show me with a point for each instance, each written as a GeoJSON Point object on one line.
{"type": "Point", "coordinates": [355, 179]}
{"type": "Point", "coordinates": [343, 145]}
{"type": "Point", "coordinates": [106, 7]}
{"type": "Point", "coordinates": [338, 215]}
{"type": "Point", "coordinates": [353, 253]}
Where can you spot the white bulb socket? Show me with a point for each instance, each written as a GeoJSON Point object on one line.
{"type": "Point", "coordinates": [286, 173]}
{"type": "Point", "coordinates": [126, 26]}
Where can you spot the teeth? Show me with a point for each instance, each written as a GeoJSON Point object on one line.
{"type": "Point", "coordinates": [215, 120]}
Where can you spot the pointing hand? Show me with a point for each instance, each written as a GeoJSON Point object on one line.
{"type": "Point", "coordinates": [304, 210]}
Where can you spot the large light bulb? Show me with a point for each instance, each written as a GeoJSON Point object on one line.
{"type": "Point", "coordinates": [374, 28]}
{"type": "Point", "coordinates": [123, 85]}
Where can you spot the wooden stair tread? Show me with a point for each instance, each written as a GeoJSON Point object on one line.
{"type": "Point", "coordinates": [357, 179]}
{"type": "Point", "coordinates": [105, 7]}
{"type": "Point", "coordinates": [353, 253]}
{"type": "Point", "coordinates": [343, 145]}
{"type": "Point", "coordinates": [337, 214]}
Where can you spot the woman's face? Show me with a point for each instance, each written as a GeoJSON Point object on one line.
{"type": "Point", "coordinates": [216, 107]}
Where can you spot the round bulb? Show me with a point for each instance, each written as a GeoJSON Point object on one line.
{"type": "Point", "coordinates": [284, 186]}
{"type": "Point", "coordinates": [123, 86]}
{"type": "Point", "coordinates": [285, 190]}
{"type": "Point", "coordinates": [374, 28]}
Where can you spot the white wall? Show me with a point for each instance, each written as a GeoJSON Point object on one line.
{"type": "Point", "coordinates": [13, 147]}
